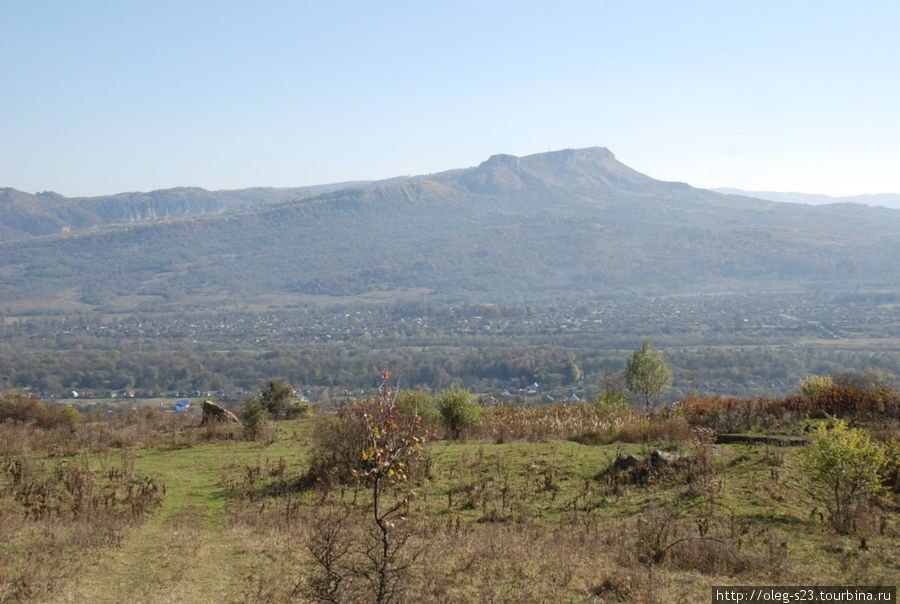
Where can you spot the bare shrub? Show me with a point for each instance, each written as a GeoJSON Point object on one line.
{"type": "Point", "coordinates": [338, 446]}
{"type": "Point", "coordinates": [632, 432]}
{"type": "Point", "coordinates": [641, 428]}
{"type": "Point", "coordinates": [259, 480]}
{"type": "Point", "coordinates": [664, 538]}
{"type": "Point", "coordinates": [670, 429]}
{"type": "Point", "coordinates": [707, 555]}
{"type": "Point", "coordinates": [385, 455]}
{"type": "Point", "coordinates": [74, 490]}
{"type": "Point", "coordinates": [859, 402]}
{"type": "Point", "coordinates": [329, 546]}
{"type": "Point", "coordinates": [150, 427]}
{"type": "Point", "coordinates": [657, 528]}
{"type": "Point", "coordinates": [699, 468]}
{"type": "Point", "coordinates": [729, 414]}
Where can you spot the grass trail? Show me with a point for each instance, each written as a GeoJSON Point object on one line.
{"type": "Point", "coordinates": [181, 553]}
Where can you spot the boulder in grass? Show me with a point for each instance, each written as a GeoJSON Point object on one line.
{"type": "Point", "coordinates": [213, 412]}
{"type": "Point", "coordinates": [661, 459]}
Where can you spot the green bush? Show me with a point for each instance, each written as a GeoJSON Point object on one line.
{"type": "Point", "coordinates": [298, 409]}
{"type": "Point", "coordinates": [418, 402]}
{"type": "Point", "coordinates": [843, 466]}
{"type": "Point", "coordinates": [278, 399]}
{"type": "Point", "coordinates": [812, 385]}
{"type": "Point", "coordinates": [256, 418]}
{"type": "Point", "coordinates": [612, 405]}
{"type": "Point", "coordinates": [70, 414]}
{"type": "Point", "coordinates": [458, 410]}
{"type": "Point", "coordinates": [647, 374]}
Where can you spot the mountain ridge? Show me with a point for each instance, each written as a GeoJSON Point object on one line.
{"type": "Point", "coordinates": [568, 223]}
{"type": "Point", "coordinates": [888, 200]}
{"type": "Point", "coordinates": [24, 215]}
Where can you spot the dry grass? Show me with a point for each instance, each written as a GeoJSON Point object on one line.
{"type": "Point", "coordinates": [55, 519]}
{"type": "Point", "coordinates": [149, 428]}
{"type": "Point", "coordinates": [504, 528]}
{"type": "Point", "coordinates": [523, 520]}
{"type": "Point", "coordinates": [536, 423]}
{"type": "Point", "coordinates": [657, 557]}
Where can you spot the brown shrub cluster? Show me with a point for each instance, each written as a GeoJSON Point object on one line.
{"type": "Point", "coordinates": [19, 406]}
{"type": "Point", "coordinates": [729, 414]}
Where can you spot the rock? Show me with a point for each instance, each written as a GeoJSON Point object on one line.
{"type": "Point", "coordinates": [217, 413]}
{"type": "Point", "coordinates": [659, 459]}
{"type": "Point", "coordinates": [624, 463]}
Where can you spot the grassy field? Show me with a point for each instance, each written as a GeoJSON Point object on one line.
{"type": "Point", "coordinates": [528, 519]}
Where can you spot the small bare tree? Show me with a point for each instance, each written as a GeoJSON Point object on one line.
{"type": "Point", "coordinates": [393, 445]}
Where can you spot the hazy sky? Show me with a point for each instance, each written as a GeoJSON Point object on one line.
{"type": "Point", "coordinates": [103, 97]}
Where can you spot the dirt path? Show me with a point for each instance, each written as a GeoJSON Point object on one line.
{"type": "Point", "coordinates": [181, 553]}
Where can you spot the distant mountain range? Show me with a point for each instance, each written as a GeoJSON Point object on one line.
{"type": "Point", "coordinates": [571, 223]}
{"type": "Point", "coordinates": [888, 200]}
{"type": "Point", "coordinates": [23, 215]}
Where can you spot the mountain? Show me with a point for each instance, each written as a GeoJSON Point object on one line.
{"type": "Point", "coordinates": [888, 200]}
{"type": "Point", "coordinates": [572, 223]}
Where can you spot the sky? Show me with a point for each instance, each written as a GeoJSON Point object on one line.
{"type": "Point", "coordinates": [105, 97]}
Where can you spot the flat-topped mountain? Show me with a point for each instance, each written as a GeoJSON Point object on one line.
{"type": "Point", "coordinates": [561, 224]}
